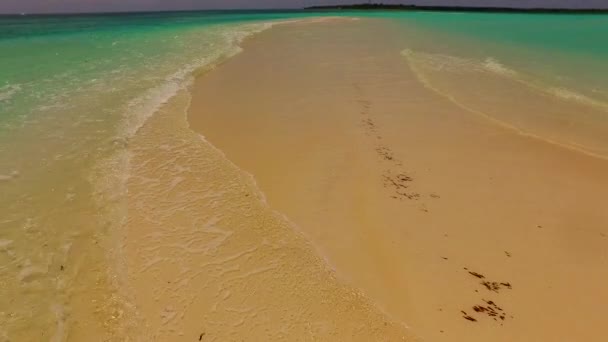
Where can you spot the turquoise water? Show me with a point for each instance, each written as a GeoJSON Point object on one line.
{"type": "Point", "coordinates": [540, 75]}
{"type": "Point", "coordinates": [568, 50]}
{"type": "Point", "coordinates": [75, 89]}
{"type": "Point", "coordinates": [46, 59]}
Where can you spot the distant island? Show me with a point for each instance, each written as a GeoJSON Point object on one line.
{"type": "Point", "coordinates": [380, 6]}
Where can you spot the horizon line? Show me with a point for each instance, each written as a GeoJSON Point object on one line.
{"type": "Point", "coordinates": [355, 6]}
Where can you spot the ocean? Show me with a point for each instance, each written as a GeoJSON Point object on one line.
{"type": "Point", "coordinates": [75, 90]}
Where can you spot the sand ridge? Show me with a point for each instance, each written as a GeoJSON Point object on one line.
{"type": "Point", "coordinates": [451, 224]}
{"type": "Point", "coordinates": [206, 258]}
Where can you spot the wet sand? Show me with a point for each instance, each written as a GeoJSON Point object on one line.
{"type": "Point", "coordinates": [203, 257]}
{"type": "Point", "coordinates": [453, 225]}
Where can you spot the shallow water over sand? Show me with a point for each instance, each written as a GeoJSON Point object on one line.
{"type": "Point", "coordinates": [513, 100]}
{"type": "Point", "coordinates": [61, 123]}
{"type": "Point", "coordinates": [204, 255]}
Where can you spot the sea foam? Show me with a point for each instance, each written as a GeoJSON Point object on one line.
{"type": "Point", "coordinates": [8, 91]}
{"type": "Point", "coordinates": [140, 109]}
{"type": "Point", "coordinates": [436, 62]}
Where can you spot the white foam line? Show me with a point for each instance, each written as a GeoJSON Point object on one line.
{"type": "Point", "coordinates": [492, 65]}
{"type": "Point", "coordinates": [427, 84]}
{"type": "Point", "coordinates": [8, 91]}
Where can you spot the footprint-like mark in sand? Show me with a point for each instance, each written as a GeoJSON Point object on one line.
{"type": "Point", "coordinates": [489, 308]}
{"type": "Point", "coordinates": [394, 177]}
{"type": "Point", "coordinates": [400, 184]}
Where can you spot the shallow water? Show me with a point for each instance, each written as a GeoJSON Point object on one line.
{"type": "Point", "coordinates": [75, 91]}
{"type": "Point", "coordinates": [534, 74]}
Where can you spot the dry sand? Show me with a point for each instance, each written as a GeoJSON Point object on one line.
{"type": "Point", "coordinates": [458, 227]}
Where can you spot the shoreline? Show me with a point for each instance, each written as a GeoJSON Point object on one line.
{"type": "Point", "coordinates": [302, 175]}
{"type": "Point", "coordinates": [577, 148]}
{"type": "Point", "coordinates": [365, 184]}
{"type": "Point", "coordinates": [206, 256]}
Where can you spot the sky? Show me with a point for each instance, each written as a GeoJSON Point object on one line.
{"type": "Point", "coordinates": [63, 6]}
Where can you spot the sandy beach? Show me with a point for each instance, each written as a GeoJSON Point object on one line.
{"type": "Point", "coordinates": [297, 175]}
{"type": "Point", "coordinates": [458, 227]}
{"type": "Point", "coordinates": [204, 256]}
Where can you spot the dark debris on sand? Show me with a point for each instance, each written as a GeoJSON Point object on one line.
{"type": "Point", "coordinates": [467, 317]}
{"type": "Point", "coordinates": [490, 285]}
{"type": "Point", "coordinates": [385, 153]}
{"type": "Point", "coordinates": [489, 308]}
{"type": "Point", "coordinates": [394, 178]}
{"type": "Point", "coordinates": [475, 274]}
{"type": "Point", "coordinates": [399, 183]}
{"type": "Point", "coordinates": [496, 286]}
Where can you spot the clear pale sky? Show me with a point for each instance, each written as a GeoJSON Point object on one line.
{"type": "Point", "coordinates": [49, 6]}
